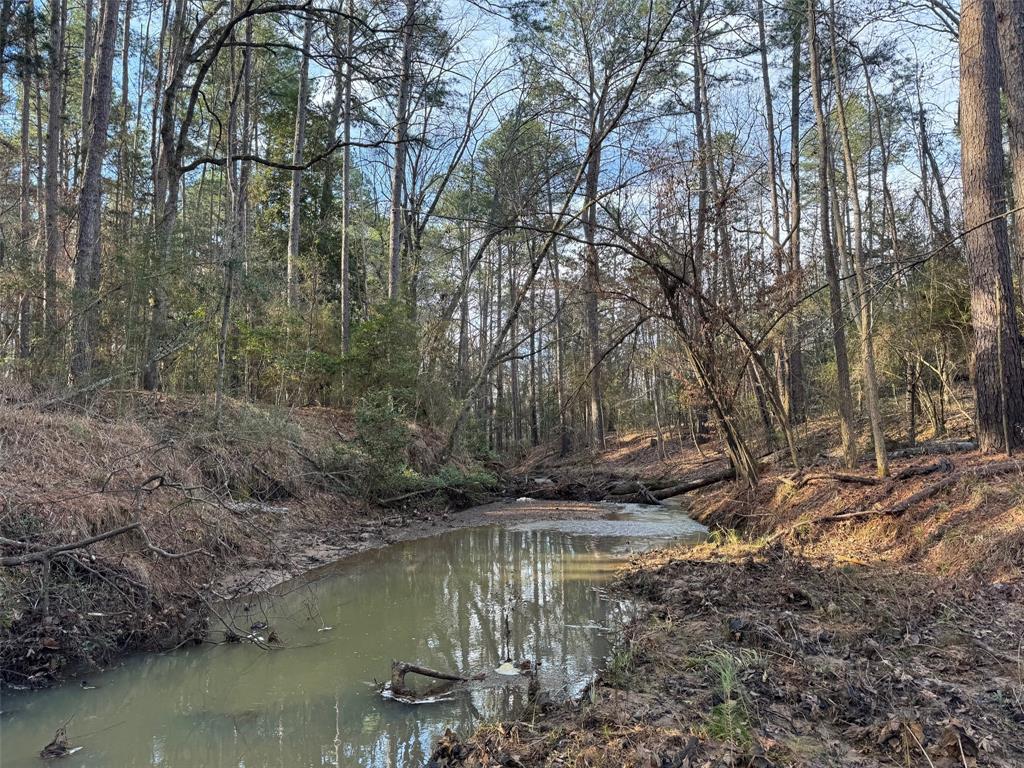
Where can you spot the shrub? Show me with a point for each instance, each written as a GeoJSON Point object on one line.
{"type": "Point", "coordinates": [382, 435]}
{"type": "Point", "coordinates": [384, 356]}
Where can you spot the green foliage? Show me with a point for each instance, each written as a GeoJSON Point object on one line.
{"type": "Point", "coordinates": [382, 435]}
{"type": "Point", "coordinates": [620, 667]}
{"type": "Point", "coordinates": [384, 357]}
{"type": "Point", "coordinates": [470, 480]}
{"type": "Point", "coordinates": [729, 720]}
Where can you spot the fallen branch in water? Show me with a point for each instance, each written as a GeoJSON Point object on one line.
{"type": "Point", "coordinates": [399, 669]}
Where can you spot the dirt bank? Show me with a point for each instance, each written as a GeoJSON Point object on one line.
{"type": "Point", "coordinates": [830, 621]}
{"type": "Point", "coordinates": [207, 510]}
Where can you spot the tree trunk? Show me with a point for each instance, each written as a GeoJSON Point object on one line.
{"type": "Point", "coordinates": [846, 425]}
{"type": "Point", "coordinates": [773, 194]}
{"type": "Point", "coordinates": [564, 442]}
{"type": "Point", "coordinates": [6, 15]}
{"type": "Point", "coordinates": [466, 232]}
{"type": "Point", "coordinates": [1010, 28]}
{"type": "Point", "coordinates": [234, 198]}
{"type": "Point", "coordinates": [167, 175]}
{"type": "Point", "coordinates": [795, 379]}
{"type": "Point", "coordinates": [24, 258]}
{"type": "Point", "coordinates": [90, 203]}
{"type": "Point", "coordinates": [863, 304]}
{"type": "Point", "coordinates": [912, 375]}
{"type": "Point", "coordinates": [401, 151]}
{"type": "Point", "coordinates": [346, 168]}
{"type": "Point", "coordinates": [54, 127]}
{"type": "Point", "coordinates": [998, 380]}
{"type": "Point", "coordinates": [88, 57]}
{"type": "Point", "coordinates": [534, 371]}
{"type": "Point", "coordinates": [298, 150]}
{"type": "Point", "coordinates": [592, 286]}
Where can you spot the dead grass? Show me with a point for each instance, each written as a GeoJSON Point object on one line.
{"type": "Point", "coordinates": [235, 495]}
{"type": "Point", "coordinates": [973, 531]}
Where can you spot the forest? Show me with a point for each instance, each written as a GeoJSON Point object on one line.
{"type": "Point", "coordinates": [520, 223]}
{"type": "Point", "coordinates": [285, 281]}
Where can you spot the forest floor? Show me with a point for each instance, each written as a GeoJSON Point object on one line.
{"type": "Point", "coordinates": [831, 619]}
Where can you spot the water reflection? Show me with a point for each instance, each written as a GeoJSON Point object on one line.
{"type": "Point", "coordinates": [438, 601]}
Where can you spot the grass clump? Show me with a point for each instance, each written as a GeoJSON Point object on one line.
{"type": "Point", "coordinates": [729, 720]}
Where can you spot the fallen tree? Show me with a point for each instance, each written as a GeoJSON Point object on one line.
{"type": "Point", "coordinates": [643, 492]}
{"type": "Point", "coordinates": [924, 449]}
{"type": "Point", "coordinates": [39, 554]}
{"type": "Point", "coordinates": [986, 470]}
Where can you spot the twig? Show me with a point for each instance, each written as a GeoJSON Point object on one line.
{"type": "Point", "coordinates": [919, 744]}
{"type": "Point", "coordinates": [46, 554]}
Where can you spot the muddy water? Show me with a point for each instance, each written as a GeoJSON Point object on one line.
{"type": "Point", "coordinates": [438, 601]}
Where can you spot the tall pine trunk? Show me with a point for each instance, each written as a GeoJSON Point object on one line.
{"type": "Point", "coordinates": [90, 202]}
{"type": "Point", "coordinates": [54, 127]}
{"type": "Point", "coordinates": [998, 379]}
{"type": "Point", "coordinates": [24, 203]}
{"type": "Point", "coordinates": [298, 150]}
{"type": "Point", "coordinates": [847, 431]}
{"type": "Point", "coordinates": [346, 167]}
{"type": "Point", "coordinates": [1010, 27]}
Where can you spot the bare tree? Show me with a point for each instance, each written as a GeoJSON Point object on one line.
{"type": "Point", "coordinates": [863, 302]}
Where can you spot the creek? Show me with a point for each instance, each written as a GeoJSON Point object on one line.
{"type": "Point", "coordinates": [440, 601]}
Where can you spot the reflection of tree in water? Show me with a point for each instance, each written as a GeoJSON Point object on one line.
{"type": "Point", "coordinates": [450, 595]}
{"type": "Point", "coordinates": [436, 601]}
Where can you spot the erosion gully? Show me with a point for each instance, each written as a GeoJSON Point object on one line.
{"type": "Point", "coordinates": [462, 600]}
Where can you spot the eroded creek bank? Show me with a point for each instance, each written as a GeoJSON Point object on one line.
{"type": "Point", "coordinates": [310, 699]}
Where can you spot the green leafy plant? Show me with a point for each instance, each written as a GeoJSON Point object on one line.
{"type": "Point", "coordinates": [384, 358]}
{"type": "Point", "coordinates": [382, 435]}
